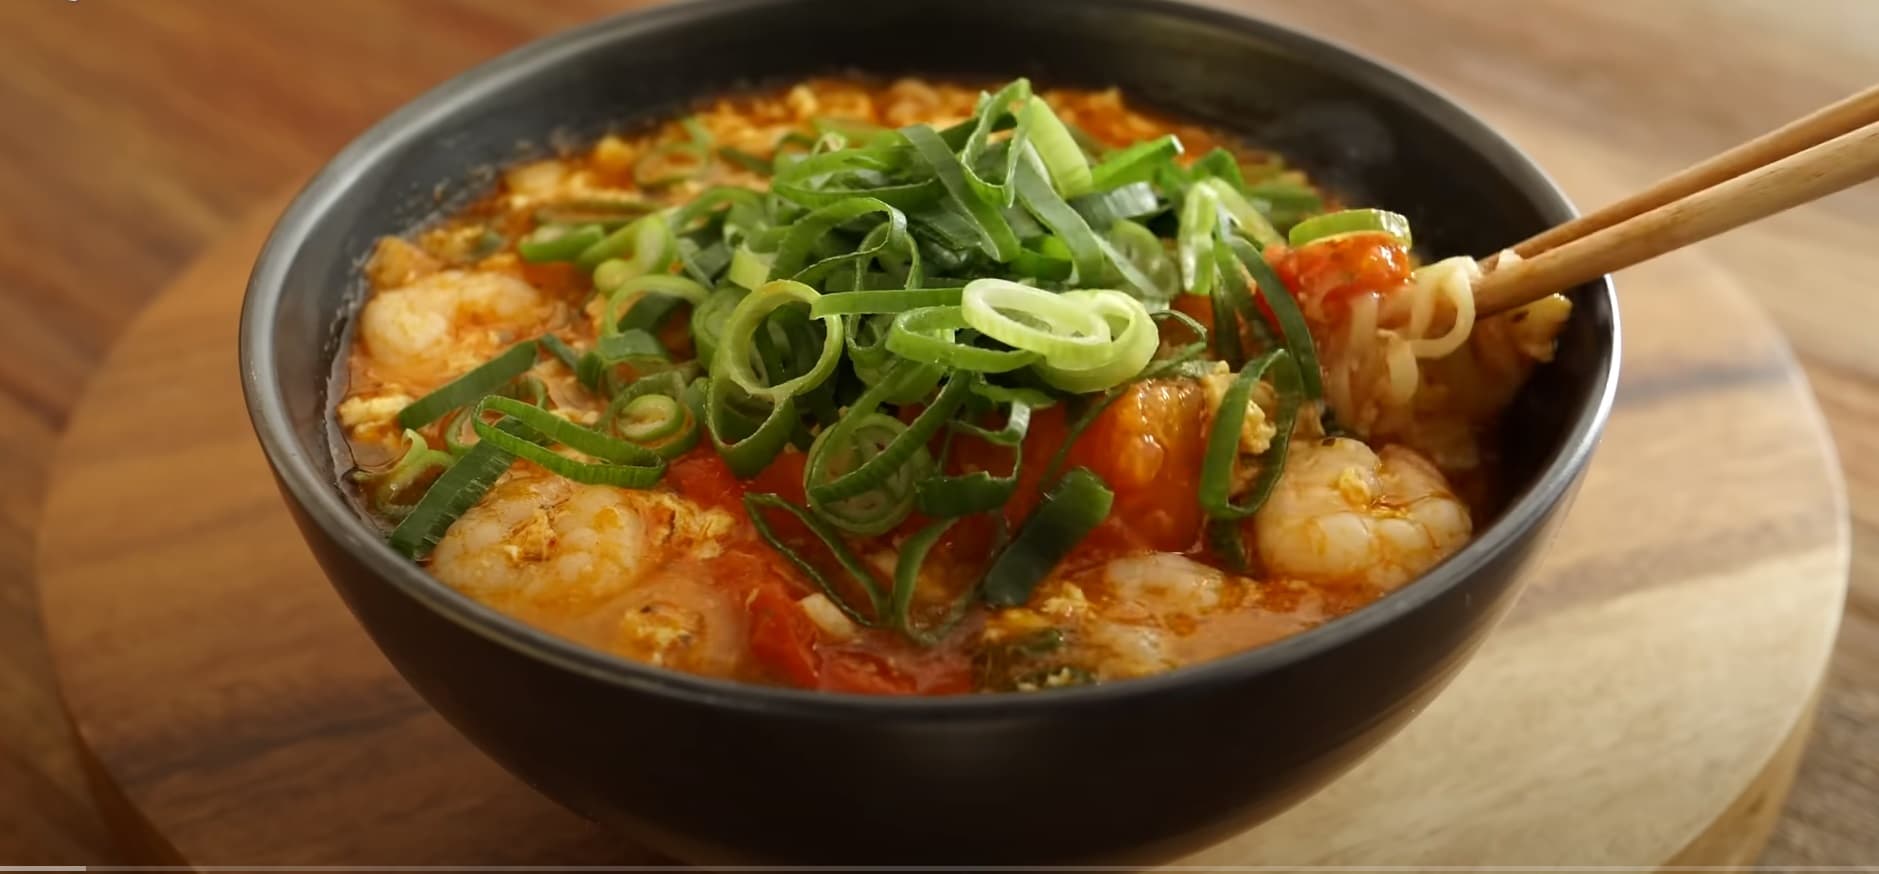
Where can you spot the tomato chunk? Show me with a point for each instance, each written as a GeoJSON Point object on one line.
{"type": "Point", "coordinates": [1198, 307]}
{"type": "Point", "coordinates": [1148, 447]}
{"type": "Point", "coordinates": [703, 477]}
{"type": "Point", "coordinates": [784, 477]}
{"type": "Point", "coordinates": [1332, 268]}
{"type": "Point", "coordinates": [782, 637]}
{"type": "Point", "coordinates": [895, 667]}
{"type": "Point", "coordinates": [868, 674]}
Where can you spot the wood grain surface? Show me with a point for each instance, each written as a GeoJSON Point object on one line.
{"type": "Point", "coordinates": [138, 133]}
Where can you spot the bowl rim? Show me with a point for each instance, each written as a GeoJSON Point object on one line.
{"type": "Point", "coordinates": [308, 480]}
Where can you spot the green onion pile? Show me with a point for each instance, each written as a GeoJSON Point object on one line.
{"type": "Point", "coordinates": [972, 274]}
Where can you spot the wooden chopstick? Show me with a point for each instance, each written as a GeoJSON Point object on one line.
{"type": "Point", "coordinates": [1811, 130]}
{"type": "Point", "coordinates": [1814, 172]}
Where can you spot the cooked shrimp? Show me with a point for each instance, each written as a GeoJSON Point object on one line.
{"type": "Point", "coordinates": [1142, 615]}
{"type": "Point", "coordinates": [1344, 514]}
{"type": "Point", "coordinates": [423, 334]}
{"type": "Point", "coordinates": [679, 619]}
{"type": "Point", "coordinates": [623, 565]}
{"type": "Point", "coordinates": [549, 539]}
{"type": "Point", "coordinates": [396, 261]}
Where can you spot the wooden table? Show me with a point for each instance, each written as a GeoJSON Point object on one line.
{"type": "Point", "coordinates": [138, 133]}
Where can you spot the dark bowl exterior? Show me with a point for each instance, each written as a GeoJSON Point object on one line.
{"type": "Point", "coordinates": [709, 770]}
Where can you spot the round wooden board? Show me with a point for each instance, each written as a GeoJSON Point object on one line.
{"type": "Point", "coordinates": [1644, 704]}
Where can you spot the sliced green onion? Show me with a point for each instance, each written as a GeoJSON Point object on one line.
{"type": "Point", "coordinates": [612, 273]}
{"type": "Point", "coordinates": [870, 454]}
{"type": "Point", "coordinates": [1223, 438]}
{"type": "Point", "coordinates": [703, 262]}
{"type": "Point", "coordinates": [1037, 265]}
{"type": "Point", "coordinates": [1125, 202]}
{"type": "Point", "coordinates": [660, 412]}
{"type": "Point", "coordinates": [557, 242]}
{"type": "Point", "coordinates": [1176, 356]}
{"type": "Point", "coordinates": [1134, 344]}
{"type": "Point", "coordinates": [1200, 213]}
{"type": "Point", "coordinates": [388, 486]}
{"type": "Point", "coordinates": [913, 555]}
{"type": "Point", "coordinates": [466, 389]}
{"type": "Point", "coordinates": [735, 347]}
{"type": "Point", "coordinates": [1286, 201]}
{"type": "Point", "coordinates": [887, 243]}
{"type": "Point", "coordinates": [649, 417]}
{"type": "Point", "coordinates": [798, 356]}
{"type": "Point", "coordinates": [649, 311]}
{"type": "Point", "coordinates": [945, 228]}
{"type": "Point", "coordinates": [1292, 324]}
{"type": "Point", "coordinates": [944, 497]}
{"type": "Point", "coordinates": [648, 300]}
{"type": "Point", "coordinates": [727, 204]}
{"type": "Point", "coordinates": [1066, 335]}
{"type": "Point", "coordinates": [622, 464]}
{"type": "Point", "coordinates": [867, 345]}
{"type": "Point", "coordinates": [794, 253]}
{"type": "Point", "coordinates": [748, 269]}
{"type": "Point", "coordinates": [1022, 224]}
{"type": "Point", "coordinates": [1137, 163]}
{"type": "Point", "coordinates": [458, 435]}
{"type": "Point", "coordinates": [1062, 157]}
{"type": "Point", "coordinates": [795, 140]}
{"type": "Point", "coordinates": [1137, 246]}
{"type": "Point", "coordinates": [1174, 183]}
{"type": "Point", "coordinates": [747, 454]}
{"type": "Point", "coordinates": [1248, 219]}
{"type": "Point", "coordinates": [637, 347]}
{"type": "Point", "coordinates": [926, 335]}
{"type": "Point", "coordinates": [896, 300]}
{"type": "Point", "coordinates": [1002, 394]}
{"type": "Point", "coordinates": [709, 319]}
{"type": "Point", "coordinates": [1219, 164]}
{"type": "Point", "coordinates": [1351, 221]}
{"type": "Point", "coordinates": [561, 351]}
{"type": "Point", "coordinates": [874, 364]}
{"type": "Point", "coordinates": [607, 214]}
{"type": "Point", "coordinates": [1227, 313]}
{"type": "Point", "coordinates": [831, 177]}
{"type": "Point", "coordinates": [756, 502]}
{"type": "Point", "coordinates": [1085, 140]}
{"type": "Point", "coordinates": [859, 133]}
{"type": "Point", "coordinates": [1235, 292]}
{"type": "Point", "coordinates": [841, 452]}
{"type": "Point", "coordinates": [993, 111]}
{"type": "Point", "coordinates": [647, 245]}
{"type": "Point", "coordinates": [754, 163]}
{"type": "Point", "coordinates": [1069, 512]}
{"type": "Point", "coordinates": [1035, 192]}
{"type": "Point", "coordinates": [454, 492]}
{"type": "Point", "coordinates": [1227, 540]}
{"type": "Point", "coordinates": [996, 239]}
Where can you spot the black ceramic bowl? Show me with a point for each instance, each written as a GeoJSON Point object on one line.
{"type": "Point", "coordinates": [704, 769]}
